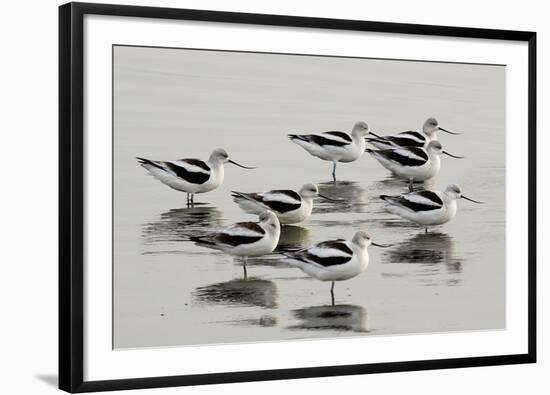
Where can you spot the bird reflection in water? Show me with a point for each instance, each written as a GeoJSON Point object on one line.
{"type": "Point", "coordinates": [429, 250]}
{"type": "Point", "coordinates": [349, 195]}
{"type": "Point", "coordinates": [292, 237]}
{"type": "Point", "coordinates": [393, 183]}
{"type": "Point", "coordinates": [180, 223]}
{"type": "Point", "coordinates": [339, 318]}
{"type": "Point", "coordinates": [239, 292]}
{"type": "Point", "coordinates": [265, 320]}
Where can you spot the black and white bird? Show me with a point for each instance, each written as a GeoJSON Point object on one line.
{"type": "Point", "coordinates": [245, 239]}
{"type": "Point", "coordinates": [409, 138]}
{"type": "Point", "coordinates": [334, 260]}
{"type": "Point", "coordinates": [334, 146]}
{"type": "Point", "coordinates": [191, 175]}
{"type": "Point", "coordinates": [290, 206]}
{"type": "Point", "coordinates": [412, 163]}
{"type": "Point", "coordinates": [426, 208]}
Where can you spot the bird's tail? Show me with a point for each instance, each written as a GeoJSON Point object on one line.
{"type": "Point", "coordinates": [296, 137]}
{"type": "Point", "coordinates": [295, 259]}
{"type": "Point", "coordinates": [239, 195]}
{"type": "Point", "coordinates": [241, 198]}
{"type": "Point", "coordinates": [293, 253]}
{"type": "Point", "coordinates": [143, 161]}
{"type": "Point", "coordinates": [375, 140]}
{"type": "Point", "coordinates": [392, 204]}
{"type": "Point", "coordinates": [147, 162]}
{"type": "Point", "coordinates": [375, 152]}
{"type": "Point", "coordinates": [202, 240]}
{"type": "Point", "coordinates": [247, 202]}
{"type": "Point", "coordinates": [389, 199]}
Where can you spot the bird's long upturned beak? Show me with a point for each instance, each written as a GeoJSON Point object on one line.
{"type": "Point", "coordinates": [380, 245]}
{"type": "Point", "coordinates": [471, 200]}
{"type": "Point", "coordinates": [330, 199]}
{"type": "Point", "coordinates": [448, 131]}
{"type": "Point", "coordinates": [244, 167]}
{"type": "Point", "coordinates": [453, 156]}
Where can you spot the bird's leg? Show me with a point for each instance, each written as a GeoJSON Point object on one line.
{"type": "Point", "coordinates": [411, 186]}
{"type": "Point", "coordinates": [334, 172]}
{"type": "Point", "coordinates": [188, 201]}
{"type": "Point", "coordinates": [192, 200]}
{"type": "Point", "coordinates": [426, 230]}
{"type": "Point", "coordinates": [332, 293]}
{"type": "Point", "coordinates": [244, 268]}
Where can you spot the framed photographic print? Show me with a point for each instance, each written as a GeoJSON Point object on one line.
{"type": "Point", "coordinates": [250, 197]}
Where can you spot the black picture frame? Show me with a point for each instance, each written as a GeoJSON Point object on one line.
{"type": "Point", "coordinates": [71, 195]}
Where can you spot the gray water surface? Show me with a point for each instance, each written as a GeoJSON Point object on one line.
{"type": "Point", "coordinates": [172, 103]}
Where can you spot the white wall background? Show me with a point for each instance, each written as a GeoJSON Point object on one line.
{"type": "Point", "coordinates": [28, 221]}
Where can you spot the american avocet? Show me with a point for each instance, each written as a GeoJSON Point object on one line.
{"type": "Point", "coordinates": [334, 146]}
{"type": "Point", "coordinates": [412, 163]}
{"type": "Point", "coordinates": [245, 239]}
{"type": "Point", "coordinates": [191, 175]}
{"type": "Point", "coordinates": [290, 207]}
{"type": "Point", "coordinates": [426, 208]}
{"type": "Point", "coordinates": [334, 260]}
{"type": "Point", "coordinates": [409, 138]}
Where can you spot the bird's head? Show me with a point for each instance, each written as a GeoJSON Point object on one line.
{"type": "Point", "coordinates": [431, 126]}
{"type": "Point", "coordinates": [269, 219]}
{"type": "Point", "coordinates": [363, 240]}
{"type": "Point", "coordinates": [455, 193]}
{"type": "Point", "coordinates": [309, 191]}
{"type": "Point", "coordinates": [360, 129]}
{"type": "Point", "coordinates": [220, 156]}
{"type": "Point", "coordinates": [435, 147]}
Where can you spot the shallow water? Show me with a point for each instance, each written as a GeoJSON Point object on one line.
{"type": "Point", "coordinates": [180, 103]}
